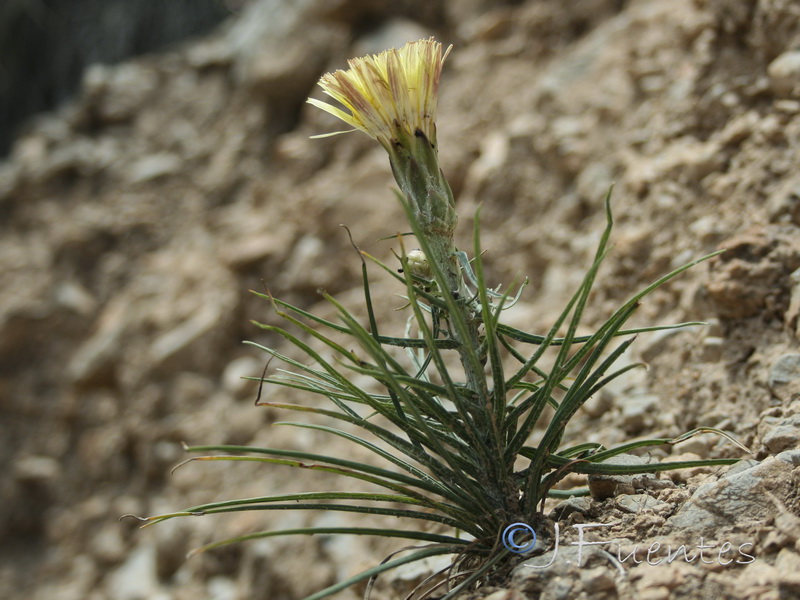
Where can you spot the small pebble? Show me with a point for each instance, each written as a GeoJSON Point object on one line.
{"type": "Point", "coordinates": [784, 73]}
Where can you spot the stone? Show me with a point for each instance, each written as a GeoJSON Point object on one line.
{"type": "Point", "coordinates": [598, 579]}
{"type": "Point", "coordinates": [107, 545]}
{"type": "Point", "coordinates": [711, 349]}
{"type": "Point", "coordinates": [681, 476]}
{"type": "Point", "coordinates": [233, 377]}
{"type": "Point", "coordinates": [783, 204]}
{"type": "Point", "coordinates": [656, 343]}
{"type": "Point", "coordinates": [33, 468]}
{"type": "Point", "coordinates": [785, 370]}
{"type": "Point", "coordinates": [706, 228]}
{"type": "Point", "coordinates": [251, 250]}
{"type": "Point", "coordinates": [116, 93]}
{"type": "Point", "coordinates": [739, 498]}
{"type": "Point", "coordinates": [791, 457]}
{"type": "Point", "coordinates": [409, 575]}
{"type": "Point", "coordinates": [223, 588]}
{"type": "Point", "coordinates": [556, 573]}
{"type": "Point", "coordinates": [191, 332]}
{"type": "Point", "coordinates": [562, 510]}
{"type": "Point", "coordinates": [599, 404]}
{"type": "Point", "coordinates": [636, 503]}
{"type": "Point", "coordinates": [136, 578]}
{"type": "Point", "coordinates": [95, 360]}
{"type": "Point", "coordinates": [392, 33]}
{"type": "Point", "coordinates": [792, 315]}
{"type": "Point", "coordinates": [506, 595]}
{"type": "Point", "coordinates": [494, 154]}
{"type": "Point", "coordinates": [306, 267]}
{"type": "Point", "coordinates": [788, 567]}
{"type": "Point", "coordinates": [784, 73]}
{"type": "Point", "coordinates": [749, 279]}
{"type": "Point", "coordinates": [636, 410]}
{"type": "Point", "coordinates": [608, 486]}
{"type": "Point", "coordinates": [698, 445]}
{"type": "Point", "coordinates": [782, 435]}
{"type": "Point", "coordinates": [74, 296]}
{"type": "Point", "coordinates": [153, 166]}
{"type": "Point", "coordinates": [655, 593]}
{"type": "Point", "coordinates": [270, 57]}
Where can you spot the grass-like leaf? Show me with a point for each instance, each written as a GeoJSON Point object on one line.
{"type": "Point", "coordinates": [448, 439]}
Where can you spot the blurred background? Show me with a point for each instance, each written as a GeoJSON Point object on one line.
{"type": "Point", "coordinates": [45, 45]}
{"type": "Point", "coordinates": [156, 166]}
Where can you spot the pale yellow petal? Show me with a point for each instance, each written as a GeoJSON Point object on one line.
{"type": "Point", "coordinates": [388, 94]}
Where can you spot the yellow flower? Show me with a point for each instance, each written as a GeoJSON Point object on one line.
{"type": "Point", "coordinates": [391, 95]}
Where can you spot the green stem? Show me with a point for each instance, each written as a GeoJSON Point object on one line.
{"type": "Point", "coordinates": [432, 212]}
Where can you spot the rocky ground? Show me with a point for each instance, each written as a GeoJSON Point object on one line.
{"type": "Point", "coordinates": [135, 221]}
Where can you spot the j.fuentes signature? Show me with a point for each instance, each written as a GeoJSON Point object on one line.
{"type": "Point", "coordinates": [520, 538]}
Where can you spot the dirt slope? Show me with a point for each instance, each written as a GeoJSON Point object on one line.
{"type": "Point", "coordinates": [135, 221]}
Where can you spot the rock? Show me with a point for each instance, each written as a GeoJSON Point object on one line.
{"type": "Point", "coordinates": [179, 340]}
{"type": "Point", "coordinates": [558, 573]}
{"type": "Point", "coordinates": [788, 567]}
{"type": "Point", "coordinates": [136, 578]}
{"type": "Point", "coordinates": [657, 343]}
{"type": "Point", "coordinates": [252, 250]}
{"type": "Point", "coordinates": [739, 498]}
{"type": "Point", "coordinates": [306, 267]}
{"type": "Point", "coordinates": [95, 360]}
{"type": "Point", "coordinates": [669, 577]}
{"type": "Point", "coordinates": [750, 278]}
{"type": "Point", "coordinates": [36, 469]}
{"type": "Point", "coordinates": [637, 411]}
{"type": "Point", "coordinates": [115, 94]}
{"type": "Point", "coordinates": [391, 34]}
{"type": "Point", "coordinates": [784, 73]}
{"type": "Point", "coordinates": [491, 25]}
{"type": "Point", "coordinates": [83, 575]}
{"type": "Point", "coordinates": [74, 296]}
{"type": "Point", "coordinates": [788, 525]}
{"type": "Point", "coordinates": [234, 374]}
{"type": "Point", "coordinates": [785, 370]}
{"type": "Point", "coordinates": [791, 457]}
{"type": "Point", "coordinates": [562, 510]}
{"type": "Point", "coordinates": [783, 204]}
{"type": "Point", "coordinates": [214, 52]}
{"type": "Point", "coordinates": [782, 435]}
{"type": "Point", "coordinates": [698, 445]}
{"type": "Point", "coordinates": [599, 404]}
{"type": "Point", "coordinates": [683, 475]}
{"type": "Point", "coordinates": [792, 315]}
{"type": "Point", "coordinates": [190, 202]}
{"type": "Point", "coordinates": [493, 155]}
{"type": "Point", "coordinates": [685, 157]}
{"type": "Point", "coordinates": [608, 486]}
{"type": "Point", "coordinates": [599, 578]}
{"type": "Point", "coordinates": [406, 577]}
{"type": "Point", "coordinates": [153, 166]}
{"type": "Point", "coordinates": [271, 56]}
{"type": "Point", "coordinates": [712, 349]}
{"type": "Point", "coordinates": [107, 544]}
{"type": "Point", "coordinates": [706, 229]}
{"type": "Point", "coordinates": [223, 588]}
{"type": "Point", "coordinates": [506, 595]}
{"type": "Point", "coordinates": [741, 467]}
{"type": "Point", "coordinates": [636, 503]}
{"type": "Point", "coordinates": [593, 179]}
{"type": "Point", "coordinates": [655, 593]}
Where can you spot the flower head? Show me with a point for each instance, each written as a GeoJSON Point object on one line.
{"type": "Point", "coordinates": [389, 95]}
